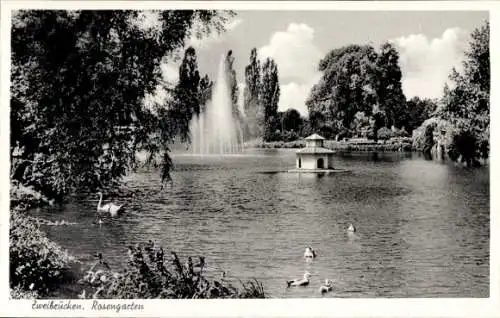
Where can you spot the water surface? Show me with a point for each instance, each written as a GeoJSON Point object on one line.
{"type": "Point", "coordinates": [423, 226]}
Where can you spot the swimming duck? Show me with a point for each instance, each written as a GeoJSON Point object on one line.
{"type": "Point", "coordinates": [82, 295]}
{"type": "Point", "coordinates": [300, 282]}
{"type": "Point", "coordinates": [309, 253]}
{"type": "Point", "coordinates": [325, 287]}
{"type": "Point", "coordinates": [351, 228]}
{"type": "Point", "coordinates": [95, 278]}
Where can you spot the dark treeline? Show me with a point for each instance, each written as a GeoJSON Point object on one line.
{"type": "Point", "coordinates": [360, 95]}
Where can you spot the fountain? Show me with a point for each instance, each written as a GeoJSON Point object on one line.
{"type": "Point", "coordinates": [216, 130]}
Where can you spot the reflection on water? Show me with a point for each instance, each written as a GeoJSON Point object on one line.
{"type": "Point", "coordinates": [422, 227]}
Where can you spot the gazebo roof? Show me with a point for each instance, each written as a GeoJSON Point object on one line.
{"type": "Point", "coordinates": [315, 137]}
{"type": "Point", "coordinates": [315, 150]}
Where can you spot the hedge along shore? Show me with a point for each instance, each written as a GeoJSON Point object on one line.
{"type": "Point", "coordinates": [391, 145]}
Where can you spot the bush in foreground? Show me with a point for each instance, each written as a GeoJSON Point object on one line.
{"type": "Point", "coordinates": [150, 275]}
{"type": "Point", "coordinates": [37, 264]}
{"type": "Point", "coordinates": [18, 293]}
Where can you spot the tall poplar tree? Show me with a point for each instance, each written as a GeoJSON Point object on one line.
{"type": "Point", "coordinates": [251, 104]}
{"type": "Point", "coordinates": [232, 83]}
{"type": "Point", "coordinates": [186, 95]}
{"type": "Point", "coordinates": [269, 95]}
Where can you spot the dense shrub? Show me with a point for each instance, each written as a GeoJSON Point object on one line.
{"type": "Point", "coordinates": [23, 198]}
{"type": "Point", "coordinates": [281, 136]}
{"type": "Point", "coordinates": [149, 274]}
{"type": "Point", "coordinates": [36, 263]}
{"type": "Point", "coordinates": [306, 130]}
{"type": "Point", "coordinates": [18, 293]}
{"type": "Point", "coordinates": [400, 132]}
{"type": "Point", "coordinates": [463, 147]}
{"type": "Point", "coordinates": [288, 136]}
{"type": "Point", "coordinates": [385, 133]}
{"type": "Point", "coordinates": [419, 134]}
{"type": "Point", "coordinates": [344, 133]}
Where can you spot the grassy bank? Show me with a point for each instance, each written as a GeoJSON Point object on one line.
{"type": "Point", "coordinates": [394, 144]}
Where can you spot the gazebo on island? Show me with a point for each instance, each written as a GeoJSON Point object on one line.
{"type": "Point", "coordinates": [315, 157]}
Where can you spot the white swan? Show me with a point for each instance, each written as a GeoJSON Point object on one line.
{"type": "Point", "coordinates": [351, 228]}
{"type": "Point", "coordinates": [309, 253]}
{"type": "Point", "coordinates": [299, 282]}
{"type": "Point", "coordinates": [111, 208]}
{"type": "Point", "coordinates": [326, 287]}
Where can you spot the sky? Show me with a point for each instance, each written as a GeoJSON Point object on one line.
{"type": "Point", "coordinates": [429, 43]}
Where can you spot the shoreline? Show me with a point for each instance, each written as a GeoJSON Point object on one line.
{"type": "Point", "coordinates": [392, 145]}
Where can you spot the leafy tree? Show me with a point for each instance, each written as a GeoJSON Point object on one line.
{"type": "Point", "coordinates": [232, 83]}
{"type": "Point", "coordinates": [467, 105]}
{"type": "Point", "coordinates": [251, 103]}
{"type": "Point", "coordinates": [348, 84]}
{"type": "Point", "coordinates": [186, 94]}
{"type": "Point", "coordinates": [361, 124]}
{"type": "Point", "coordinates": [270, 94]}
{"type": "Point", "coordinates": [378, 121]}
{"type": "Point", "coordinates": [355, 79]}
{"type": "Point", "coordinates": [79, 80]}
{"type": "Point", "coordinates": [389, 91]}
{"type": "Point", "coordinates": [418, 111]}
{"type": "Point", "coordinates": [291, 120]}
{"type": "Point", "coordinates": [316, 119]}
{"type": "Point", "coordinates": [205, 89]}
{"type": "Point", "coordinates": [306, 129]}
{"type": "Point", "coordinates": [271, 133]}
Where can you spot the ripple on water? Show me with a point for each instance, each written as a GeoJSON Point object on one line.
{"type": "Point", "coordinates": [423, 227]}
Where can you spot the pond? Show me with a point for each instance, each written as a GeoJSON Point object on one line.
{"type": "Point", "coordinates": [423, 227]}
